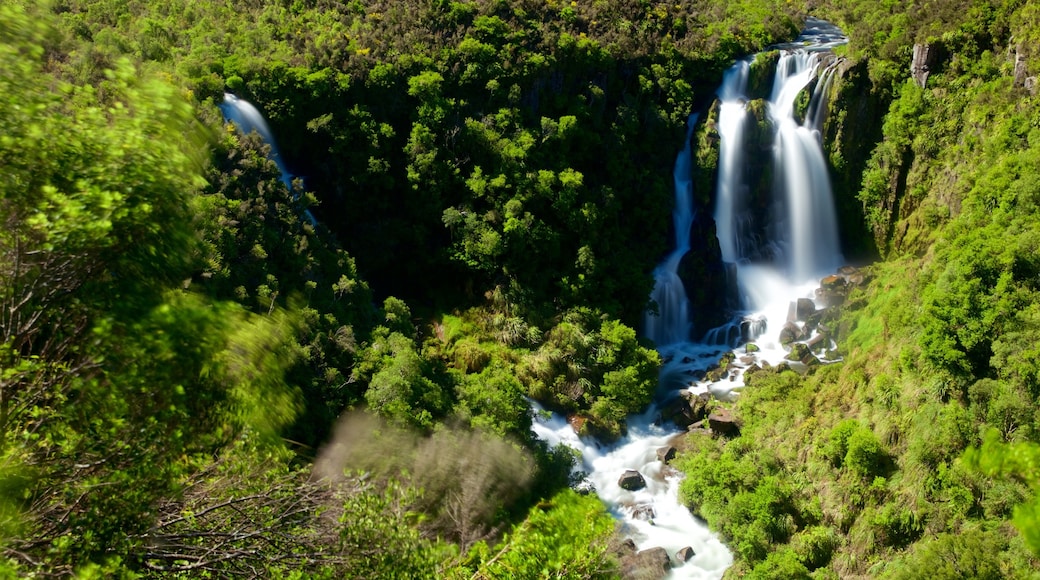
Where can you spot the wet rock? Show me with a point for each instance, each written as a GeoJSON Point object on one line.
{"type": "Point", "coordinates": [747, 360]}
{"type": "Point", "coordinates": [686, 408]}
{"type": "Point", "coordinates": [832, 291]}
{"type": "Point", "coordinates": [665, 454]}
{"type": "Point", "coordinates": [724, 423]}
{"type": "Point", "coordinates": [751, 347]}
{"type": "Point", "coordinates": [800, 352]}
{"type": "Point", "coordinates": [804, 308]}
{"type": "Point", "coordinates": [717, 374]}
{"type": "Point", "coordinates": [818, 343]}
{"type": "Point", "coordinates": [632, 480]}
{"type": "Point", "coordinates": [790, 333]}
{"type": "Point", "coordinates": [684, 554]}
{"type": "Point", "coordinates": [645, 512]}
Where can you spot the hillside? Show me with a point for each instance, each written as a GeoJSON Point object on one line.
{"type": "Point", "coordinates": [480, 191]}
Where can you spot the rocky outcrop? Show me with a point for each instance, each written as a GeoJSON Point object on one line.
{"type": "Point", "coordinates": [925, 56]}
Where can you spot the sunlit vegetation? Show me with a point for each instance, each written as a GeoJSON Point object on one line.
{"type": "Point", "coordinates": [492, 186]}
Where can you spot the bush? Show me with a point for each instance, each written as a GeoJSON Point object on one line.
{"type": "Point", "coordinates": [865, 457]}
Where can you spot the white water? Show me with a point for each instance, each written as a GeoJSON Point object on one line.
{"type": "Point", "coordinates": [731, 191]}
{"type": "Point", "coordinates": [806, 242]}
{"type": "Point", "coordinates": [671, 323]}
{"type": "Point", "coordinates": [248, 119]}
{"type": "Point", "coordinates": [671, 526]}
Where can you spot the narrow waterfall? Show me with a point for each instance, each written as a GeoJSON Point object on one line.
{"type": "Point", "coordinates": [731, 194]}
{"type": "Point", "coordinates": [248, 119]}
{"type": "Point", "coordinates": [810, 235]}
{"type": "Point", "coordinates": [671, 323]}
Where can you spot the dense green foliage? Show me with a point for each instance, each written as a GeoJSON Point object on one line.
{"type": "Point", "coordinates": [170, 312]}
{"type": "Point", "coordinates": [492, 182]}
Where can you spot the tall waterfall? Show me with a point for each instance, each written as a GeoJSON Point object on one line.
{"type": "Point", "coordinates": [775, 264]}
{"type": "Point", "coordinates": [671, 323]}
{"type": "Point", "coordinates": [800, 239]}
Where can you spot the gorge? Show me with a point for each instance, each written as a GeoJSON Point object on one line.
{"type": "Point", "coordinates": [505, 252]}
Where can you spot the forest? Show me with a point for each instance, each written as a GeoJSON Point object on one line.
{"type": "Point", "coordinates": [219, 359]}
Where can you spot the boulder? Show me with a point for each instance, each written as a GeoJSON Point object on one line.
{"type": "Point", "coordinates": [833, 282]}
{"type": "Point", "coordinates": [790, 333]}
{"type": "Point", "coordinates": [830, 297]}
{"type": "Point", "coordinates": [722, 422]}
{"type": "Point", "coordinates": [802, 353]}
{"type": "Point", "coordinates": [686, 408]}
{"type": "Point", "coordinates": [665, 454]}
{"type": "Point", "coordinates": [632, 480]}
{"type": "Point", "coordinates": [818, 343]}
{"type": "Point", "coordinates": [751, 347]}
{"type": "Point", "coordinates": [650, 564]}
{"type": "Point", "coordinates": [684, 554]}
{"type": "Point", "coordinates": [804, 308]}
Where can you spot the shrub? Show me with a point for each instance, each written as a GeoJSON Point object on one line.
{"type": "Point", "coordinates": [865, 457]}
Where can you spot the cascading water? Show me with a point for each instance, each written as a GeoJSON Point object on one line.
{"type": "Point", "coordinates": [671, 323]}
{"type": "Point", "coordinates": [774, 266]}
{"type": "Point", "coordinates": [731, 193]}
{"type": "Point", "coordinates": [811, 232]}
{"type": "Point", "coordinates": [248, 119]}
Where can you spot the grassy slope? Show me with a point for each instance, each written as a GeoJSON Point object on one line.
{"type": "Point", "coordinates": [856, 470]}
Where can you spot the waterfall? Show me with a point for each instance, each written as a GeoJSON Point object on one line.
{"type": "Point", "coordinates": [671, 323]}
{"type": "Point", "coordinates": [810, 230]}
{"type": "Point", "coordinates": [248, 119]}
{"type": "Point", "coordinates": [799, 238]}
{"type": "Point", "coordinates": [773, 262]}
{"type": "Point", "coordinates": [731, 192]}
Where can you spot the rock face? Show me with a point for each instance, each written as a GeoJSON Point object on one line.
{"type": "Point", "coordinates": [651, 564]}
{"type": "Point", "coordinates": [632, 480]}
{"type": "Point", "coordinates": [923, 61]}
{"type": "Point", "coordinates": [1020, 67]}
